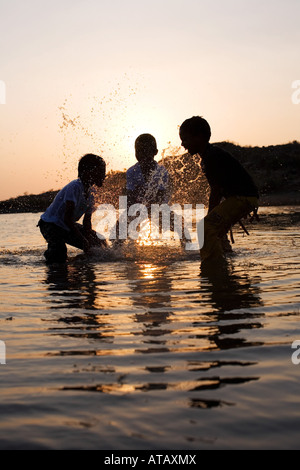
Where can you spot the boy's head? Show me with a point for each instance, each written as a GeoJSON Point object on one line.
{"type": "Point", "coordinates": [195, 134]}
{"type": "Point", "coordinates": [145, 148]}
{"type": "Point", "coordinates": [92, 170]}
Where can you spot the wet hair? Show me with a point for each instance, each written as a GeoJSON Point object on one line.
{"type": "Point", "coordinates": [90, 162]}
{"type": "Point", "coordinates": [196, 125]}
{"type": "Point", "coordinates": [147, 142]}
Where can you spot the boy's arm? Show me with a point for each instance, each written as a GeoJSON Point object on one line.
{"type": "Point", "coordinates": [87, 222]}
{"type": "Point", "coordinates": [70, 222]}
{"type": "Point", "coordinates": [165, 193]}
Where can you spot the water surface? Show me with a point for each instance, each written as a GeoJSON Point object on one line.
{"type": "Point", "coordinates": [142, 350]}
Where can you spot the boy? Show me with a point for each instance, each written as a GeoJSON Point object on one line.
{"type": "Point", "coordinates": [147, 182]}
{"type": "Point", "coordinates": [227, 180]}
{"type": "Point", "coordinates": [58, 224]}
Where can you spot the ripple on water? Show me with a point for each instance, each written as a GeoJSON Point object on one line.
{"type": "Point", "coordinates": [109, 352]}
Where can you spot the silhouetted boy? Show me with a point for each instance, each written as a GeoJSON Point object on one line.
{"type": "Point", "coordinates": [58, 224]}
{"type": "Point", "coordinates": [233, 193]}
{"type": "Point", "coordinates": [147, 182]}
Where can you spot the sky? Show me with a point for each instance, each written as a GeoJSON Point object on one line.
{"type": "Point", "coordinates": [89, 76]}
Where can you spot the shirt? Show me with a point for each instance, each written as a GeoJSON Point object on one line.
{"type": "Point", "coordinates": [73, 192]}
{"type": "Point", "coordinates": [157, 181]}
{"type": "Point", "coordinates": [224, 171]}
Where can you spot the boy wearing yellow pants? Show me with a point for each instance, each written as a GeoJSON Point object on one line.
{"type": "Point", "coordinates": [227, 179]}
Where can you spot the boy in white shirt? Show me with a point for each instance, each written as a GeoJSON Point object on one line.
{"type": "Point", "coordinates": [58, 224]}
{"type": "Point", "coordinates": [147, 182]}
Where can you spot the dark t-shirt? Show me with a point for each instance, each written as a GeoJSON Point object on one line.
{"type": "Point", "coordinates": [222, 170]}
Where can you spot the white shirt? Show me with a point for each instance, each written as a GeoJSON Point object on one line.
{"type": "Point", "coordinates": [73, 192]}
{"type": "Point", "coordinates": [158, 181]}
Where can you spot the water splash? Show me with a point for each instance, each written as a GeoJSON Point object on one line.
{"type": "Point", "coordinates": [98, 124]}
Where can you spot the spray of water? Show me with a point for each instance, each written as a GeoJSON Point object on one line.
{"type": "Point", "coordinates": [102, 126]}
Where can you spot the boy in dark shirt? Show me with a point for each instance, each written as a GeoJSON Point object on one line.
{"type": "Point", "coordinates": [227, 179]}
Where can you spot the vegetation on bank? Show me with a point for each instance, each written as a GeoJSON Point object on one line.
{"type": "Point", "coordinates": [275, 169]}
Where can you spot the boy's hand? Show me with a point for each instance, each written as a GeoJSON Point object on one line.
{"type": "Point", "coordinates": [86, 245]}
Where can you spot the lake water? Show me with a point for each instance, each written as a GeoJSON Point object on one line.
{"type": "Point", "coordinates": [143, 351]}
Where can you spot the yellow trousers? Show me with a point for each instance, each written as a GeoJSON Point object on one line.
{"type": "Point", "coordinates": [220, 219]}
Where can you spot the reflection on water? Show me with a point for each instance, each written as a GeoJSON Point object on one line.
{"type": "Point", "coordinates": [110, 354]}
{"type": "Point", "coordinates": [156, 324]}
{"type": "Point", "coordinates": [150, 287]}
{"type": "Point", "coordinates": [75, 287]}
{"type": "Point", "coordinates": [233, 295]}
{"type": "Point", "coordinates": [229, 290]}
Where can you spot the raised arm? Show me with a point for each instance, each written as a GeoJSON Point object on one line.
{"type": "Point", "coordinates": [87, 223]}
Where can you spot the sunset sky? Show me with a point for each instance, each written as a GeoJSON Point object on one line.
{"type": "Point", "coordinates": [91, 75]}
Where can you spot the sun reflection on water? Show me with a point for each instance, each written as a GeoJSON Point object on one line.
{"type": "Point", "coordinates": [148, 271]}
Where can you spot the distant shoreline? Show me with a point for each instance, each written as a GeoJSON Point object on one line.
{"type": "Point", "coordinates": [275, 170]}
{"type": "Point", "coordinates": [291, 198]}
{"type": "Point", "coordinates": [39, 203]}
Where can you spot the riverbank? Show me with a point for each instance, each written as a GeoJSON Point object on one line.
{"type": "Point", "coordinates": [275, 170]}
{"type": "Point", "coordinates": [40, 202]}
{"type": "Point", "coordinates": [291, 198]}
